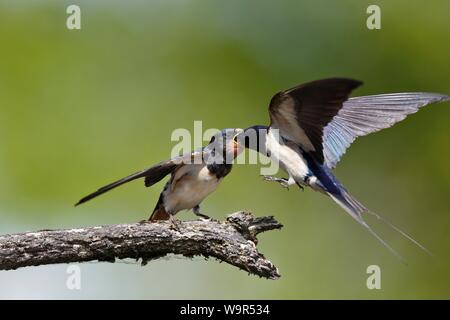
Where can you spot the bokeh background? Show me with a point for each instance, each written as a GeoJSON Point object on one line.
{"type": "Point", "coordinates": [81, 108]}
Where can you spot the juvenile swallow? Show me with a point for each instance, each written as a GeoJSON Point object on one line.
{"type": "Point", "coordinates": [193, 176]}
{"type": "Point", "coordinates": [313, 124]}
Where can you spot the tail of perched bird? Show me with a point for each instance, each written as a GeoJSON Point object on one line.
{"type": "Point", "coordinates": [152, 175]}
{"type": "Point", "coordinates": [159, 213]}
{"type": "Point", "coordinates": [111, 186]}
{"type": "Point", "coordinates": [356, 210]}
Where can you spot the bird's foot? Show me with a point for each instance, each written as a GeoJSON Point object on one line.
{"type": "Point", "coordinates": [282, 181]}
{"type": "Point", "coordinates": [202, 216]}
{"type": "Point", "coordinates": [284, 184]}
{"type": "Point", "coordinates": [300, 186]}
{"type": "Point", "coordinates": [174, 223]}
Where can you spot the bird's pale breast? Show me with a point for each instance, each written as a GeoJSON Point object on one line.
{"type": "Point", "coordinates": [288, 157]}
{"type": "Point", "coordinates": [190, 185]}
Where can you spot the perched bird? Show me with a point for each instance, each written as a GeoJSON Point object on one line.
{"type": "Point", "coordinates": [193, 176]}
{"type": "Point", "coordinates": [312, 125]}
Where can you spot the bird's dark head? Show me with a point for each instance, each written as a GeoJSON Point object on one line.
{"type": "Point", "coordinates": [226, 143]}
{"type": "Point", "coordinates": [254, 137]}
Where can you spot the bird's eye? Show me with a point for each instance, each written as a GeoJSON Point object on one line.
{"type": "Point", "coordinates": [212, 139]}
{"type": "Point", "coordinates": [235, 139]}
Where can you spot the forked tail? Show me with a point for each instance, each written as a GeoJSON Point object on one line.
{"type": "Point", "coordinates": [356, 210]}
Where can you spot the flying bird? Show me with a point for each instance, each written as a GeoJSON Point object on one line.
{"type": "Point", "coordinates": [193, 176]}
{"type": "Point", "coordinates": [313, 124]}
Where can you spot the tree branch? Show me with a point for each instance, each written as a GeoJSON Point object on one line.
{"type": "Point", "coordinates": [232, 241]}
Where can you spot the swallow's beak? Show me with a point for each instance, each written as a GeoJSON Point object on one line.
{"type": "Point", "coordinates": [237, 133]}
{"type": "Point", "coordinates": [237, 146]}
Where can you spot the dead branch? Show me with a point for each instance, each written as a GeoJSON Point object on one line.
{"type": "Point", "coordinates": [232, 241]}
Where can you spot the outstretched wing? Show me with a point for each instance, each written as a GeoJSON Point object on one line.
{"type": "Point", "coordinates": [301, 113]}
{"type": "Point", "coordinates": [360, 116]}
{"type": "Point", "coordinates": [152, 175]}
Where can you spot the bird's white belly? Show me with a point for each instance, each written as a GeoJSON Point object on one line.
{"type": "Point", "coordinates": [195, 184]}
{"type": "Point", "coordinates": [288, 157]}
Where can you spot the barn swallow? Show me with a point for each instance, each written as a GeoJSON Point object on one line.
{"type": "Point", "coordinates": [313, 124]}
{"type": "Point", "coordinates": [193, 176]}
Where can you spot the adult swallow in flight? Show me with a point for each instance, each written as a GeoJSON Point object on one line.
{"type": "Point", "coordinates": [193, 176]}
{"type": "Point", "coordinates": [313, 124]}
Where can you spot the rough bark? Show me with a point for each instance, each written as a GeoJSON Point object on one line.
{"type": "Point", "coordinates": [232, 241]}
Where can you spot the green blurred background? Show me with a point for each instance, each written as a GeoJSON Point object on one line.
{"type": "Point", "coordinates": [81, 108]}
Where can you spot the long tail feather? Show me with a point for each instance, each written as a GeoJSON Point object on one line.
{"type": "Point", "coordinates": [111, 186]}
{"type": "Point", "coordinates": [392, 250]}
{"type": "Point", "coordinates": [403, 233]}
{"type": "Point", "coordinates": [355, 209]}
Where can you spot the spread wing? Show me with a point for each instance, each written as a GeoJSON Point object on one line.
{"type": "Point", "coordinates": [152, 175]}
{"type": "Point", "coordinates": [302, 113]}
{"type": "Point", "coordinates": [360, 116]}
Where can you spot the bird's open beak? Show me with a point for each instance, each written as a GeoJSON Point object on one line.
{"type": "Point", "coordinates": [237, 146]}
{"type": "Point", "coordinates": [236, 136]}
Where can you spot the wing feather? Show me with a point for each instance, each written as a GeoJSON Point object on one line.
{"type": "Point", "coordinates": [360, 116]}
{"type": "Point", "coordinates": [301, 113]}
